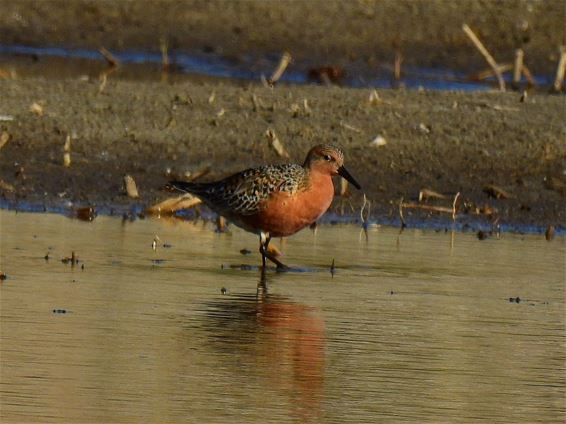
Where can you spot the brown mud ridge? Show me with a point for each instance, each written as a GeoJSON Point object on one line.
{"type": "Point", "coordinates": [506, 158]}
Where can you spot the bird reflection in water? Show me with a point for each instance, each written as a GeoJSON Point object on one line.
{"type": "Point", "coordinates": [283, 341]}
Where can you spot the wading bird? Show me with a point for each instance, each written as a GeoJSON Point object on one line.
{"type": "Point", "coordinates": [275, 200]}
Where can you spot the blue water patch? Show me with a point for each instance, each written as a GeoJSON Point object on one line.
{"type": "Point", "coordinates": [249, 68]}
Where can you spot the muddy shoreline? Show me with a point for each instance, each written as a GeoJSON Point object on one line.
{"type": "Point", "coordinates": [448, 142]}
{"type": "Point", "coordinates": [363, 34]}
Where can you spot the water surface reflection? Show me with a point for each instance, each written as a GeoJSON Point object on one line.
{"type": "Point", "coordinates": [414, 327]}
{"type": "Point", "coordinates": [281, 340]}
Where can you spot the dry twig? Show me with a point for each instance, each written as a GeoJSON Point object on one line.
{"type": "Point", "coordinates": [485, 53]}
{"type": "Point", "coordinates": [276, 144]}
{"type": "Point", "coordinates": [560, 70]}
{"type": "Point", "coordinates": [518, 67]}
{"type": "Point", "coordinates": [131, 188]}
{"type": "Point", "coordinates": [173, 204]}
{"type": "Point", "coordinates": [110, 58]}
{"type": "Point", "coordinates": [67, 152]}
{"type": "Point", "coordinates": [4, 138]}
{"type": "Point", "coordinates": [283, 63]}
{"type": "Point", "coordinates": [426, 193]}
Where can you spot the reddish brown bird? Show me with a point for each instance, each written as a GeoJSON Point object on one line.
{"type": "Point", "coordinates": [275, 200]}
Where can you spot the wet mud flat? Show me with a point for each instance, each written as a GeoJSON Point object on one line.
{"type": "Point", "coordinates": [506, 158]}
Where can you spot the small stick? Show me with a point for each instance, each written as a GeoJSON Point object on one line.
{"type": "Point", "coordinates": [4, 138]}
{"type": "Point", "coordinates": [426, 193]}
{"type": "Point", "coordinates": [131, 188]}
{"type": "Point", "coordinates": [343, 187]}
{"type": "Point", "coordinates": [350, 127]}
{"type": "Point", "coordinates": [110, 58]}
{"type": "Point", "coordinates": [220, 224]}
{"type": "Point", "coordinates": [67, 152]}
{"type": "Point", "coordinates": [528, 76]}
{"type": "Point", "coordinates": [171, 205]}
{"type": "Point", "coordinates": [428, 207]}
{"type": "Point", "coordinates": [104, 77]}
{"type": "Point", "coordinates": [365, 218]}
{"type": "Point", "coordinates": [487, 56]}
{"type": "Point", "coordinates": [454, 206]}
{"type": "Point", "coordinates": [255, 102]}
{"type": "Point", "coordinates": [397, 66]}
{"type": "Point", "coordinates": [283, 63]}
{"type": "Point", "coordinates": [560, 70]}
{"type": "Point", "coordinates": [332, 268]}
{"type": "Point", "coordinates": [403, 224]}
{"type": "Point", "coordinates": [164, 55]}
{"type": "Point", "coordinates": [480, 76]}
{"type": "Point", "coordinates": [518, 68]}
{"type": "Point", "coordinates": [276, 144]}
{"type": "Point", "coordinates": [374, 97]}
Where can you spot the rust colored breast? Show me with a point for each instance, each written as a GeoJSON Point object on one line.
{"type": "Point", "coordinates": [283, 214]}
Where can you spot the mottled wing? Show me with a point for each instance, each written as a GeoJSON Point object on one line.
{"type": "Point", "coordinates": [245, 192]}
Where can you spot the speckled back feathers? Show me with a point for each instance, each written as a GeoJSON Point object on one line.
{"type": "Point", "coordinates": [243, 193]}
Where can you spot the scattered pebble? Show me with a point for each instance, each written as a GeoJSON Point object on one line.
{"type": "Point", "coordinates": [515, 299]}
{"type": "Point", "coordinates": [59, 311]}
{"type": "Point", "coordinates": [425, 129]}
{"type": "Point", "coordinates": [46, 257]}
{"type": "Point", "coordinates": [167, 245]}
{"type": "Point", "coordinates": [85, 214]}
{"type": "Point", "coordinates": [378, 141]}
{"type": "Point", "coordinates": [245, 252]}
{"type": "Point", "coordinates": [224, 290]}
{"type": "Point", "coordinates": [482, 235]}
{"type": "Point", "coordinates": [3, 276]}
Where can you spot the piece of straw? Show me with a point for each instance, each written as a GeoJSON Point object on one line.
{"type": "Point", "coordinates": [487, 56]}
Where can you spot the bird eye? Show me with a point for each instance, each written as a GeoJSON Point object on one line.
{"type": "Point", "coordinates": [327, 158]}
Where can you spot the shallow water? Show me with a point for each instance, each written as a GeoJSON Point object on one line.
{"type": "Point", "coordinates": [416, 326]}
{"type": "Point", "coordinates": [59, 62]}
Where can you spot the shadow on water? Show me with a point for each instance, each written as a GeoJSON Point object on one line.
{"type": "Point", "coordinates": [282, 338]}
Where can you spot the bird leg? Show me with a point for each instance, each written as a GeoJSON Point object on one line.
{"type": "Point", "coordinates": [264, 240]}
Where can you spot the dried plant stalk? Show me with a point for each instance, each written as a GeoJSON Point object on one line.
{"type": "Point", "coordinates": [518, 67]}
{"type": "Point", "coordinates": [480, 76]}
{"type": "Point", "coordinates": [67, 152]}
{"type": "Point", "coordinates": [36, 108]}
{"type": "Point", "coordinates": [4, 138]}
{"type": "Point", "coordinates": [110, 58]}
{"type": "Point", "coordinates": [283, 63]}
{"type": "Point", "coordinates": [426, 193]}
{"type": "Point", "coordinates": [164, 47]}
{"type": "Point", "coordinates": [131, 188]}
{"type": "Point", "coordinates": [560, 70]}
{"type": "Point", "coordinates": [276, 144]}
{"type": "Point", "coordinates": [343, 187]}
{"type": "Point", "coordinates": [485, 53]}
{"type": "Point", "coordinates": [173, 204]}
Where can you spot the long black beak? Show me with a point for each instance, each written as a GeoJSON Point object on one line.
{"type": "Point", "coordinates": [346, 175]}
